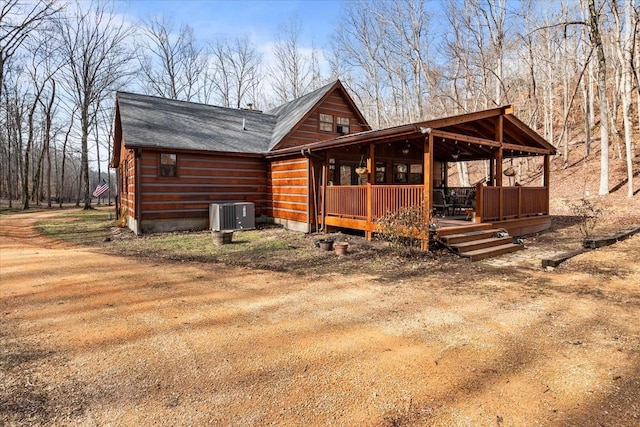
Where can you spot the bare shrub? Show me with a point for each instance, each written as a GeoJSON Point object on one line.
{"type": "Point", "coordinates": [588, 215]}
{"type": "Point", "coordinates": [406, 227]}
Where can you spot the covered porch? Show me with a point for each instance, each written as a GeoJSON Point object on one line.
{"type": "Point", "coordinates": [357, 179]}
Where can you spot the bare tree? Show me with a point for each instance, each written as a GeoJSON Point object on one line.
{"type": "Point", "coordinates": [625, 46]}
{"type": "Point", "coordinates": [18, 20]}
{"type": "Point", "coordinates": [292, 71]}
{"type": "Point", "coordinates": [48, 109]}
{"type": "Point", "coordinates": [95, 44]}
{"type": "Point", "coordinates": [172, 64]}
{"type": "Point", "coordinates": [236, 72]}
{"type": "Point", "coordinates": [596, 41]}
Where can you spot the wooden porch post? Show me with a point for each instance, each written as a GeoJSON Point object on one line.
{"type": "Point", "coordinates": [499, 154]}
{"type": "Point", "coordinates": [445, 174]}
{"type": "Point", "coordinates": [492, 172]}
{"type": "Point", "coordinates": [428, 182]}
{"type": "Point", "coordinates": [371, 168]}
{"type": "Point", "coordinates": [499, 136]}
{"type": "Point", "coordinates": [479, 202]}
{"type": "Point", "coordinates": [323, 202]}
{"type": "Point", "coordinates": [546, 174]}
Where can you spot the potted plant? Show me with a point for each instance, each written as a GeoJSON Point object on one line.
{"type": "Point", "coordinates": [341, 248]}
{"type": "Point", "coordinates": [325, 244]}
{"type": "Point", "coordinates": [221, 237]}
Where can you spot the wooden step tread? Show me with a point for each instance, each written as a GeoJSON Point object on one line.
{"type": "Point", "coordinates": [492, 251]}
{"type": "Point", "coordinates": [468, 236]}
{"type": "Point", "coordinates": [461, 229]}
{"type": "Point", "coordinates": [481, 244]}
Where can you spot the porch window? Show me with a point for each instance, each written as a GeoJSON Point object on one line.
{"type": "Point", "coordinates": [400, 173]}
{"type": "Point", "coordinates": [326, 122]}
{"type": "Point", "coordinates": [415, 173]}
{"type": "Point", "coordinates": [346, 175]}
{"type": "Point", "coordinates": [168, 165]}
{"type": "Point", "coordinates": [332, 171]}
{"type": "Point", "coordinates": [343, 125]}
{"type": "Point", "coordinates": [381, 173]}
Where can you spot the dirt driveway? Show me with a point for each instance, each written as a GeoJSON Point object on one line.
{"type": "Point", "coordinates": [93, 339]}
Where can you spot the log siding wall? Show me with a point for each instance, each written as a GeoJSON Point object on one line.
{"type": "Point", "coordinates": [201, 179]}
{"type": "Point", "coordinates": [127, 184]}
{"type": "Point", "coordinates": [288, 189]}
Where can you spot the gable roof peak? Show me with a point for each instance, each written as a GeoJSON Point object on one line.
{"type": "Point", "coordinates": [290, 114]}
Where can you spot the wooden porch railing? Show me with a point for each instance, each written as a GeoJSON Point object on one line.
{"type": "Point", "coordinates": [390, 198]}
{"type": "Point", "coordinates": [347, 201]}
{"type": "Point", "coordinates": [351, 201]}
{"type": "Point", "coordinates": [492, 203]}
{"type": "Point", "coordinates": [500, 203]}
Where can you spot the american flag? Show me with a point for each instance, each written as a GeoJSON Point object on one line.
{"type": "Point", "coordinates": [101, 189]}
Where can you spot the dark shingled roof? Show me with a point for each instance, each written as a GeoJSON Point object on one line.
{"type": "Point", "coordinates": [149, 121]}
{"type": "Point", "coordinates": [292, 112]}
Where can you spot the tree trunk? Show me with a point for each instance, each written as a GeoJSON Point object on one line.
{"type": "Point", "coordinates": [64, 158]}
{"type": "Point", "coordinates": [625, 49]}
{"type": "Point", "coordinates": [84, 178]}
{"type": "Point", "coordinates": [596, 41]}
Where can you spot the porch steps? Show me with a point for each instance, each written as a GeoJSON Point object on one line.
{"type": "Point", "coordinates": [478, 241]}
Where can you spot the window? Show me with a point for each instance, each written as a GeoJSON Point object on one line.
{"type": "Point", "coordinates": [415, 173]}
{"type": "Point", "coordinates": [332, 171]}
{"type": "Point", "coordinates": [346, 174]}
{"type": "Point", "coordinates": [326, 122]}
{"type": "Point", "coordinates": [381, 172]}
{"type": "Point", "coordinates": [168, 165]}
{"type": "Point", "coordinates": [400, 175]}
{"type": "Point", "coordinates": [343, 124]}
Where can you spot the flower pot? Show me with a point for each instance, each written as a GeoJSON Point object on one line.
{"type": "Point", "coordinates": [341, 248]}
{"type": "Point", "coordinates": [326, 245]}
{"type": "Point", "coordinates": [223, 237]}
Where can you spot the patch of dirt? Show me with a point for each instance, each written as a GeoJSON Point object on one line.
{"type": "Point", "coordinates": [372, 338]}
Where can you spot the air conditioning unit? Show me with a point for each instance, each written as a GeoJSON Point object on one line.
{"type": "Point", "coordinates": [232, 216]}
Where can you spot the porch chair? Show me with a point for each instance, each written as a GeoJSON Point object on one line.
{"type": "Point", "coordinates": [470, 200]}
{"type": "Point", "coordinates": [469, 204]}
{"type": "Point", "coordinates": [440, 202]}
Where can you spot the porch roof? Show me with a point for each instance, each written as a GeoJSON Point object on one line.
{"type": "Point", "coordinates": [472, 136]}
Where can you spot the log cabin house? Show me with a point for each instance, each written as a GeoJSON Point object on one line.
{"type": "Point", "coordinates": [313, 164]}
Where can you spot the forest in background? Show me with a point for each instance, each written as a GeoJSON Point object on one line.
{"type": "Point", "coordinates": [570, 68]}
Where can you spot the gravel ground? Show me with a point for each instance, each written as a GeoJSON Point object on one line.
{"type": "Point", "coordinates": [94, 339]}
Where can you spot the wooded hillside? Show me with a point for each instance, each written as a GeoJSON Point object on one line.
{"type": "Point", "coordinates": [570, 68]}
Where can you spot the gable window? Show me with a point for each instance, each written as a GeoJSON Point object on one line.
{"type": "Point", "coordinates": [343, 125]}
{"type": "Point", "coordinates": [326, 122]}
{"type": "Point", "coordinates": [168, 164]}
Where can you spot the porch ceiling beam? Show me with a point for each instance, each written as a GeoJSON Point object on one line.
{"type": "Point", "coordinates": [525, 149]}
{"type": "Point", "coordinates": [464, 138]}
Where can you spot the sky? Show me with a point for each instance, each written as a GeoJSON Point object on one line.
{"type": "Point", "coordinates": [212, 20]}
